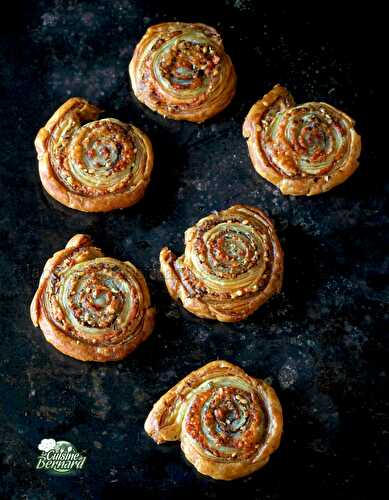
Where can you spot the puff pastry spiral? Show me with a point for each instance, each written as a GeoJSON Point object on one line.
{"type": "Point", "coordinates": [305, 149]}
{"type": "Point", "coordinates": [228, 422]}
{"type": "Point", "coordinates": [92, 307]}
{"type": "Point", "coordinates": [89, 165]}
{"type": "Point", "coordinates": [181, 71]}
{"type": "Point", "coordinates": [232, 264]}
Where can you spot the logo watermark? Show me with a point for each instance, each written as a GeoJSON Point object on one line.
{"type": "Point", "coordinates": [59, 458]}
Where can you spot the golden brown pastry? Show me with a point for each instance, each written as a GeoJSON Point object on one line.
{"type": "Point", "coordinates": [181, 71]}
{"type": "Point", "coordinates": [95, 166]}
{"type": "Point", "coordinates": [232, 264]}
{"type": "Point", "coordinates": [305, 149]}
{"type": "Point", "coordinates": [92, 307]}
{"type": "Point", "coordinates": [228, 423]}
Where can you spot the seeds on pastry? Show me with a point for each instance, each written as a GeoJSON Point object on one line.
{"type": "Point", "coordinates": [303, 150]}
{"type": "Point", "coordinates": [92, 165]}
{"type": "Point", "coordinates": [228, 429]}
{"type": "Point", "coordinates": [91, 307]}
{"type": "Point", "coordinates": [232, 264]}
{"type": "Point", "coordinates": [181, 71]}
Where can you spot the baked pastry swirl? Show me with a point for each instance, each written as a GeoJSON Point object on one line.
{"type": "Point", "coordinates": [96, 167]}
{"type": "Point", "coordinates": [305, 149]}
{"type": "Point", "coordinates": [92, 307]}
{"type": "Point", "coordinates": [181, 71]}
{"type": "Point", "coordinates": [228, 422]}
{"type": "Point", "coordinates": [232, 264]}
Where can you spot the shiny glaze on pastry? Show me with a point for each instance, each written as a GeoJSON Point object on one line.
{"type": "Point", "coordinates": [232, 264]}
{"type": "Point", "coordinates": [181, 71]}
{"type": "Point", "coordinates": [91, 307]}
{"type": "Point", "coordinates": [92, 165]}
{"type": "Point", "coordinates": [305, 149]}
{"type": "Point", "coordinates": [228, 422]}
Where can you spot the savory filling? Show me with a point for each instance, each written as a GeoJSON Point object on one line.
{"type": "Point", "coordinates": [230, 258]}
{"type": "Point", "coordinates": [187, 65]}
{"type": "Point", "coordinates": [94, 300]}
{"type": "Point", "coordinates": [305, 140]}
{"type": "Point", "coordinates": [97, 158]}
{"type": "Point", "coordinates": [227, 422]}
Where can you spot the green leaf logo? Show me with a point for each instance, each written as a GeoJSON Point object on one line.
{"type": "Point", "coordinates": [59, 458]}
